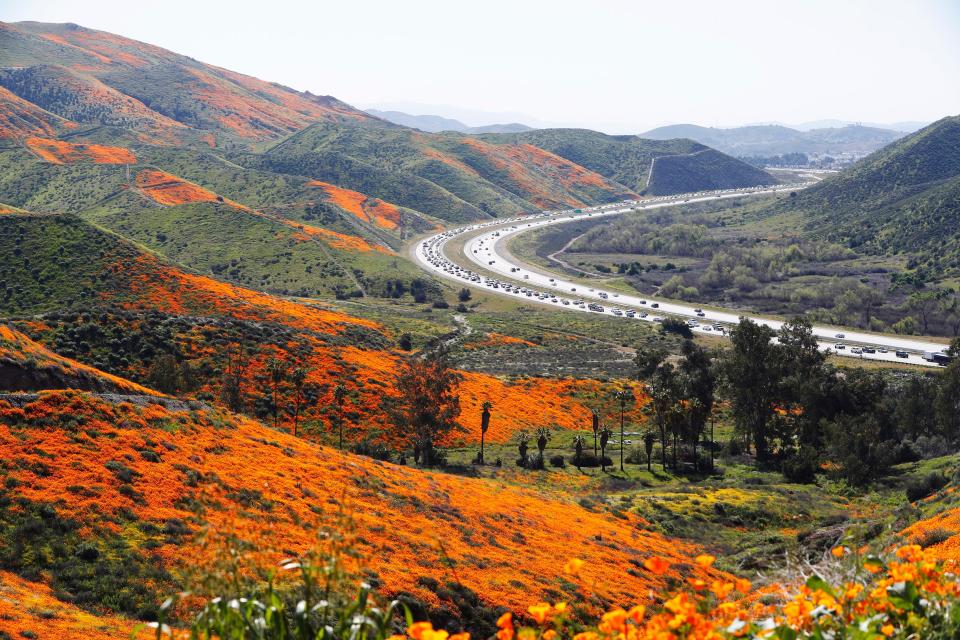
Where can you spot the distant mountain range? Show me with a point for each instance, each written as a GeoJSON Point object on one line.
{"type": "Point", "coordinates": [772, 140]}
{"type": "Point", "coordinates": [436, 124]}
{"type": "Point", "coordinates": [906, 126]}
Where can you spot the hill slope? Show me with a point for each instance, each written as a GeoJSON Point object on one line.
{"type": "Point", "coordinates": [161, 86]}
{"type": "Point", "coordinates": [905, 197]}
{"type": "Point", "coordinates": [627, 160]}
{"type": "Point", "coordinates": [156, 465]}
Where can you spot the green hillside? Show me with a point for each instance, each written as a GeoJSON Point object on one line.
{"type": "Point", "coordinates": [251, 251]}
{"type": "Point", "coordinates": [701, 170]}
{"type": "Point", "coordinates": [903, 199]}
{"type": "Point", "coordinates": [447, 175]}
{"type": "Point", "coordinates": [54, 262]}
{"type": "Point", "coordinates": [627, 159]}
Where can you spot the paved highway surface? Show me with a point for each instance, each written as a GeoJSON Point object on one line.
{"type": "Point", "coordinates": [498, 272]}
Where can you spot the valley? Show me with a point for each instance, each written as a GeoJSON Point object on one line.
{"type": "Point", "coordinates": [273, 367]}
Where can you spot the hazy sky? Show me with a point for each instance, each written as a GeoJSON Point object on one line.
{"type": "Point", "coordinates": [618, 66]}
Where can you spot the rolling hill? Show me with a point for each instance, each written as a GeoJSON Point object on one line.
{"type": "Point", "coordinates": [92, 76]}
{"type": "Point", "coordinates": [630, 160]}
{"type": "Point", "coordinates": [771, 140]}
{"type": "Point", "coordinates": [100, 88]}
{"type": "Point", "coordinates": [904, 198]}
{"type": "Point", "coordinates": [87, 309]}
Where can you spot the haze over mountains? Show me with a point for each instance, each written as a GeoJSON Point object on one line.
{"type": "Point", "coordinates": [825, 137]}
{"type": "Point", "coordinates": [771, 140]}
{"type": "Point", "coordinates": [436, 124]}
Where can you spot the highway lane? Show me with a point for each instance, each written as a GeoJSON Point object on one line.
{"type": "Point", "coordinates": [502, 274]}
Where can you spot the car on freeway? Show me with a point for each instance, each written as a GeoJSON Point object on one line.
{"type": "Point", "coordinates": [840, 346]}
{"type": "Point", "coordinates": [841, 335]}
{"type": "Point", "coordinates": [902, 354]}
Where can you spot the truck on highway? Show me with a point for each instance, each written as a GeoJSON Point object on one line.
{"type": "Point", "coordinates": [937, 357]}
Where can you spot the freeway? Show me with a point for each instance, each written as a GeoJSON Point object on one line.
{"type": "Point", "coordinates": [495, 270]}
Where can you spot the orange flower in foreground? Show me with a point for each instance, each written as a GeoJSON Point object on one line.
{"type": "Point", "coordinates": [539, 612]}
{"type": "Point", "coordinates": [704, 560]}
{"type": "Point", "coordinates": [839, 552]}
{"type": "Point", "coordinates": [425, 631]}
{"type": "Point", "coordinates": [657, 565]}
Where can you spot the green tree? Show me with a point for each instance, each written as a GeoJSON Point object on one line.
{"type": "Point", "coordinates": [699, 384]}
{"type": "Point", "coordinates": [647, 360]}
{"type": "Point", "coordinates": [947, 404]}
{"type": "Point", "coordinates": [751, 379]}
{"type": "Point", "coordinates": [234, 371]}
{"type": "Point", "coordinates": [664, 395]}
{"type": "Point", "coordinates": [427, 405]}
{"type": "Point", "coordinates": [925, 304]}
{"type": "Point", "coordinates": [164, 374]}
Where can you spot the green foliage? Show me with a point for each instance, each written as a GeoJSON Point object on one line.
{"type": "Point", "coordinates": [54, 262]}
{"type": "Point", "coordinates": [426, 407]}
{"type": "Point", "coordinates": [102, 572]}
{"type": "Point", "coordinates": [903, 198]}
{"type": "Point", "coordinates": [703, 170]}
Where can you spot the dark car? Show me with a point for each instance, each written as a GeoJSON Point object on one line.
{"type": "Point", "coordinates": [903, 354]}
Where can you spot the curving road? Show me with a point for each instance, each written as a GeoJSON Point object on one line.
{"type": "Point", "coordinates": [498, 272]}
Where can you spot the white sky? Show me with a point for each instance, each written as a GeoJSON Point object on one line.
{"type": "Point", "coordinates": [613, 65]}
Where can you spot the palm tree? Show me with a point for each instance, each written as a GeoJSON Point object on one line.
{"type": "Point", "coordinates": [596, 429]}
{"type": "Point", "coordinates": [543, 436]}
{"type": "Point", "coordinates": [278, 371]}
{"type": "Point", "coordinates": [523, 443]}
{"type": "Point", "coordinates": [622, 395]}
{"type": "Point", "coordinates": [604, 439]}
{"type": "Point", "coordinates": [648, 440]}
{"type": "Point", "coordinates": [578, 449]}
{"type": "Point", "coordinates": [298, 377]}
{"type": "Point", "coordinates": [339, 392]}
{"type": "Point", "coordinates": [484, 425]}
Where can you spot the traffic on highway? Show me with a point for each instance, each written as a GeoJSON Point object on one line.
{"type": "Point", "coordinates": [494, 269]}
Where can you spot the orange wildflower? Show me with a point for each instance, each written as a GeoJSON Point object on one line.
{"type": "Point", "coordinates": [657, 565]}
{"type": "Point", "coordinates": [573, 566]}
{"type": "Point", "coordinates": [539, 612]}
{"type": "Point", "coordinates": [704, 560]}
